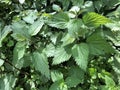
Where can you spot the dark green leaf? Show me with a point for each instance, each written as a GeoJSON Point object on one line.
{"type": "Point", "coordinates": [98, 45]}
{"type": "Point", "coordinates": [75, 77]}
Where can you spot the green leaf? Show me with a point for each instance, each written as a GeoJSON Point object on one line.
{"type": "Point", "coordinates": [36, 27]}
{"type": "Point", "coordinates": [56, 75]}
{"type": "Point", "coordinates": [59, 20]}
{"type": "Point", "coordinates": [77, 2]}
{"type": "Point", "coordinates": [49, 50]}
{"type": "Point", "coordinates": [61, 55]}
{"type": "Point", "coordinates": [7, 82]}
{"type": "Point", "coordinates": [58, 85]}
{"type": "Point", "coordinates": [4, 33]}
{"type": "Point", "coordinates": [41, 63]}
{"type": "Point", "coordinates": [94, 20]}
{"type": "Point", "coordinates": [1, 62]}
{"type": "Point", "coordinates": [81, 52]}
{"type": "Point", "coordinates": [56, 7]}
{"type": "Point", "coordinates": [75, 76]}
{"type": "Point", "coordinates": [98, 45]}
{"type": "Point", "coordinates": [109, 81]}
{"type": "Point", "coordinates": [67, 39]}
{"type": "Point", "coordinates": [19, 50]}
{"type": "Point", "coordinates": [76, 28]}
{"type": "Point", "coordinates": [31, 15]}
{"type": "Point", "coordinates": [18, 54]}
{"type": "Point", "coordinates": [20, 31]}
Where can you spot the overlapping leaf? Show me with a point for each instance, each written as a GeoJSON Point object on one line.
{"type": "Point", "coordinates": [59, 20]}
{"type": "Point", "coordinates": [81, 52]}
{"type": "Point", "coordinates": [61, 55]}
{"type": "Point", "coordinates": [98, 45]}
{"type": "Point", "coordinates": [41, 63]}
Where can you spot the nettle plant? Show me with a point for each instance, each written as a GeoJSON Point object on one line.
{"type": "Point", "coordinates": [60, 45]}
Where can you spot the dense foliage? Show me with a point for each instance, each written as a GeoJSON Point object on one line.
{"type": "Point", "coordinates": [59, 45]}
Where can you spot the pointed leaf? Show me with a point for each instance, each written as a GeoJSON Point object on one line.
{"type": "Point", "coordinates": [67, 39]}
{"type": "Point", "coordinates": [80, 52]}
{"type": "Point", "coordinates": [76, 28]}
{"type": "Point", "coordinates": [61, 55]}
{"type": "Point", "coordinates": [98, 45]}
{"type": "Point", "coordinates": [75, 76]}
{"type": "Point", "coordinates": [56, 75]}
{"type": "Point", "coordinates": [36, 27]}
{"type": "Point", "coordinates": [41, 64]}
{"type": "Point", "coordinates": [18, 54]}
{"type": "Point", "coordinates": [20, 31]}
{"type": "Point", "coordinates": [4, 33]}
{"type": "Point", "coordinates": [59, 20]}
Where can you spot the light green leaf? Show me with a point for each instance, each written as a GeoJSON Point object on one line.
{"type": "Point", "coordinates": [31, 15]}
{"type": "Point", "coordinates": [56, 75]}
{"type": "Point", "coordinates": [59, 20]}
{"type": "Point", "coordinates": [75, 76]}
{"type": "Point", "coordinates": [1, 62]}
{"type": "Point", "coordinates": [94, 20]}
{"type": "Point", "coordinates": [109, 81]}
{"type": "Point", "coordinates": [20, 31]}
{"type": "Point", "coordinates": [58, 85]}
{"type": "Point", "coordinates": [81, 52]}
{"type": "Point", "coordinates": [49, 50]}
{"type": "Point", "coordinates": [41, 63]}
{"type": "Point", "coordinates": [18, 54]}
{"type": "Point", "coordinates": [56, 7]}
{"type": "Point", "coordinates": [98, 45]}
{"type": "Point", "coordinates": [19, 50]}
{"type": "Point", "coordinates": [76, 28]}
{"type": "Point", "coordinates": [67, 39]}
{"type": "Point", "coordinates": [61, 55]}
{"type": "Point", "coordinates": [36, 27]}
{"type": "Point", "coordinates": [4, 33]}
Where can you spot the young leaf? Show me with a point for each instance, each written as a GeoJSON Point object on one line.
{"type": "Point", "coordinates": [81, 52]}
{"type": "Point", "coordinates": [94, 20]}
{"type": "Point", "coordinates": [41, 63]}
{"type": "Point", "coordinates": [61, 55]}
{"type": "Point", "coordinates": [56, 75]}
